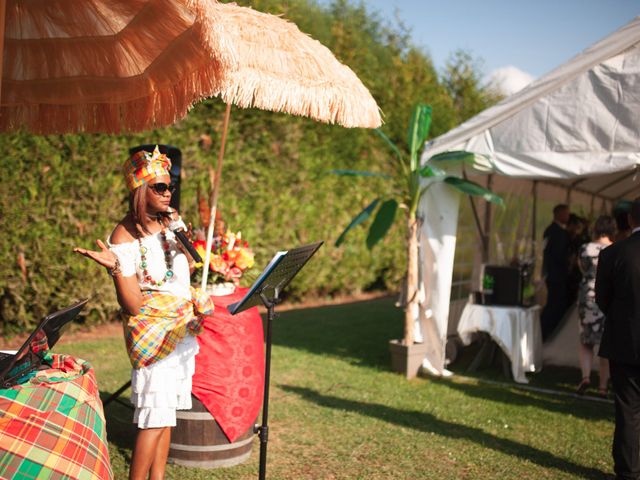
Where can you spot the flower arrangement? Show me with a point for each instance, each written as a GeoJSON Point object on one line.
{"type": "Point", "coordinates": [230, 257]}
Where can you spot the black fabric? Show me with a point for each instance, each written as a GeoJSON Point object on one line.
{"type": "Point", "coordinates": [555, 268]}
{"type": "Point", "coordinates": [555, 261]}
{"type": "Point", "coordinates": [626, 438]}
{"type": "Point", "coordinates": [555, 308]}
{"type": "Point", "coordinates": [618, 296]}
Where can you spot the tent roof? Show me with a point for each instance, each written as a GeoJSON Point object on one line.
{"type": "Point", "coordinates": [578, 125]}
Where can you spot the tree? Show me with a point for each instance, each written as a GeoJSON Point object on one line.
{"type": "Point", "coordinates": [408, 181]}
{"type": "Point", "coordinates": [462, 81]}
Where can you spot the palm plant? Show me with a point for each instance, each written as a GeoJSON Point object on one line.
{"type": "Point", "coordinates": [408, 182]}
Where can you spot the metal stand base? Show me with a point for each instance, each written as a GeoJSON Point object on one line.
{"type": "Point", "coordinates": [263, 429]}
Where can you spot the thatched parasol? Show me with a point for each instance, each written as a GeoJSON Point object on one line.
{"type": "Point", "coordinates": [284, 70]}
{"type": "Point", "coordinates": [107, 66]}
{"type": "Point", "coordinates": [131, 65]}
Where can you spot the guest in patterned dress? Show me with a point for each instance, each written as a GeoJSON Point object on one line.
{"type": "Point", "coordinates": [163, 313]}
{"type": "Point", "coordinates": [591, 318]}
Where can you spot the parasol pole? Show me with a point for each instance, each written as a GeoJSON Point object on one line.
{"type": "Point", "coordinates": [214, 198]}
{"type": "Point", "coordinates": [3, 10]}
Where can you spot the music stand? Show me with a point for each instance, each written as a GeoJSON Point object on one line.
{"type": "Point", "coordinates": [52, 326]}
{"type": "Point", "coordinates": [266, 290]}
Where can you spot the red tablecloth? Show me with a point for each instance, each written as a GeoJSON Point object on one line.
{"type": "Point", "coordinates": [229, 376]}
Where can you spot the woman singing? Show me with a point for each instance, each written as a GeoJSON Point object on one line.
{"type": "Point", "coordinates": [163, 313]}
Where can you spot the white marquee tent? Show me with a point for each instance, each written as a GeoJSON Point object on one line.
{"type": "Point", "coordinates": [577, 127]}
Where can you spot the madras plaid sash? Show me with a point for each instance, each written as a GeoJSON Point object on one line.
{"type": "Point", "coordinates": [53, 426]}
{"type": "Point", "coordinates": [163, 321]}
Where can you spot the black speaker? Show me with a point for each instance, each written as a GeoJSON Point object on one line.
{"type": "Point", "coordinates": [175, 155]}
{"type": "Point", "coordinates": [502, 285]}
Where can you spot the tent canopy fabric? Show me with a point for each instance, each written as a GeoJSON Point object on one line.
{"type": "Point", "coordinates": [578, 126]}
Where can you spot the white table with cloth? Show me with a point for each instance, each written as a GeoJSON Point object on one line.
{"type": "Point", "coordinates": [515, 329]}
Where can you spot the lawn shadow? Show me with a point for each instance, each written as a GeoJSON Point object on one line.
{"type": "Point", "coordinates": [426, 422]}
{"type": "Point", "coordinates": [360, 331]}
{"type": "Point", "coordinates": [560, 378]}
{"type": "Point", "coordinates": [121, 431]}
{"type": "Point", "coordinates": [511, 396]}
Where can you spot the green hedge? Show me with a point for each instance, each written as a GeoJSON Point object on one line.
{"type": "Point", "coordinates": [66, 191]}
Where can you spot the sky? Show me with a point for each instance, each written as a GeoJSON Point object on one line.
{"type": "Point", "coordinates": [518, 40]}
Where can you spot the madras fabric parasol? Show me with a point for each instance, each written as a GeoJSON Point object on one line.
{"type": "Point", "coordinates": [131, 65]}
{"type": "Point", "coordinates": [53, 427]}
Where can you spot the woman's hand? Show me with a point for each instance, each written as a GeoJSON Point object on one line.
{"type": "Point", "coordinates": [104, 257]}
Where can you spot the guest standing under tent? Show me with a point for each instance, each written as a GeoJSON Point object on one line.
{"type": "Point", "coordinates": [618, 296]}
{"type": "Point", "coordinates": [591, 317]}
{"type": "Point", "coordinates": [555, 268]}
{"type": "Point", "coordinates": [163, 313]}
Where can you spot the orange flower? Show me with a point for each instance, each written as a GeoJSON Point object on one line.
{"type": "Point", "coordinates": [218, 264]}
{"type": "Point", "coordinates": [245, 259]}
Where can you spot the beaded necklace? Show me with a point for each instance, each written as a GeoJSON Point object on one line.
{"type": "Point", "coordinates": [167, 260]}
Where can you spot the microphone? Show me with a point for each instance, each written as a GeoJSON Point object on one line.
{"type": "Point", "coordinates": [178, 228]}
{"type": "Point", "coordinates": [188, 245]}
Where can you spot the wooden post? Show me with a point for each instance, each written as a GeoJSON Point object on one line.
{"type": "Point", "coordinates": [3, 13]}
{"type": "Point", "coordinates": [214, 198]}
{"type": "Point", "coordinates": [412, 279]}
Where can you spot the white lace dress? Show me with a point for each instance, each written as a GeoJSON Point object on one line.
{"type": "Point", "coordinates": [160, 389]}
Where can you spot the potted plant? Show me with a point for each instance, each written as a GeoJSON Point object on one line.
{"type": "Point", "coordinates": [408, 181]}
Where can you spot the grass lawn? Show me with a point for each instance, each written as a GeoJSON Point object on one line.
{"type": "Point", "coordinates": [338, 412]}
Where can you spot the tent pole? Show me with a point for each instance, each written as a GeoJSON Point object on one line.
{"type": "Point", "coordinates": [476, 217]}
{"type": "Point", "coordinates": [534, 216]}
{"type": "Point", "coordinates": [487, 224]}
{"type": "Point", "coordinates": [214, 198]}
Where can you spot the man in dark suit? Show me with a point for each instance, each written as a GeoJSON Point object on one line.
{"type": "Point", "coordinates": [555, 268]}
{"type": "Point", "coordinates": [618, 296]}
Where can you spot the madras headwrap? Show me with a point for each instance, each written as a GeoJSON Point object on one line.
{"type": "Point", "coordinates": [163, 321]}
{"type": "Point", "coordinates": [53, 426]}
{"type": "Point", "coordinates": [143, 166]}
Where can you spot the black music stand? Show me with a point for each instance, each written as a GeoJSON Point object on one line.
{"type": "Point", "coordinates": [266, 290]}
{"type": "Point", "coordinates": [25, 360]}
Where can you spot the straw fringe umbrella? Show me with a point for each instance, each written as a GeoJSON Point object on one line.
{"type": "Point", "coordinates": [108, 66]}
{"type": "Point", "coordinates": [283, 69]}
{"type": "Point", "coordinates": [130, 65]}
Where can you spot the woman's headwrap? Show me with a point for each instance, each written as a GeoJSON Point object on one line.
{"type": "Point", "coordinates": [143, 166]}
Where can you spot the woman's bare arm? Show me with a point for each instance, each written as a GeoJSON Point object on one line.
{"type": "Point", "coordinates": [127, 289]}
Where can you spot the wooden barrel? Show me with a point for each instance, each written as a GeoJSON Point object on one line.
{"type": "Point", "coordinates": [198, 441]}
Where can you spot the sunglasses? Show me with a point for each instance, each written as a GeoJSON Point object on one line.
{"type": "Point", "coordinates": [161, 188]}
